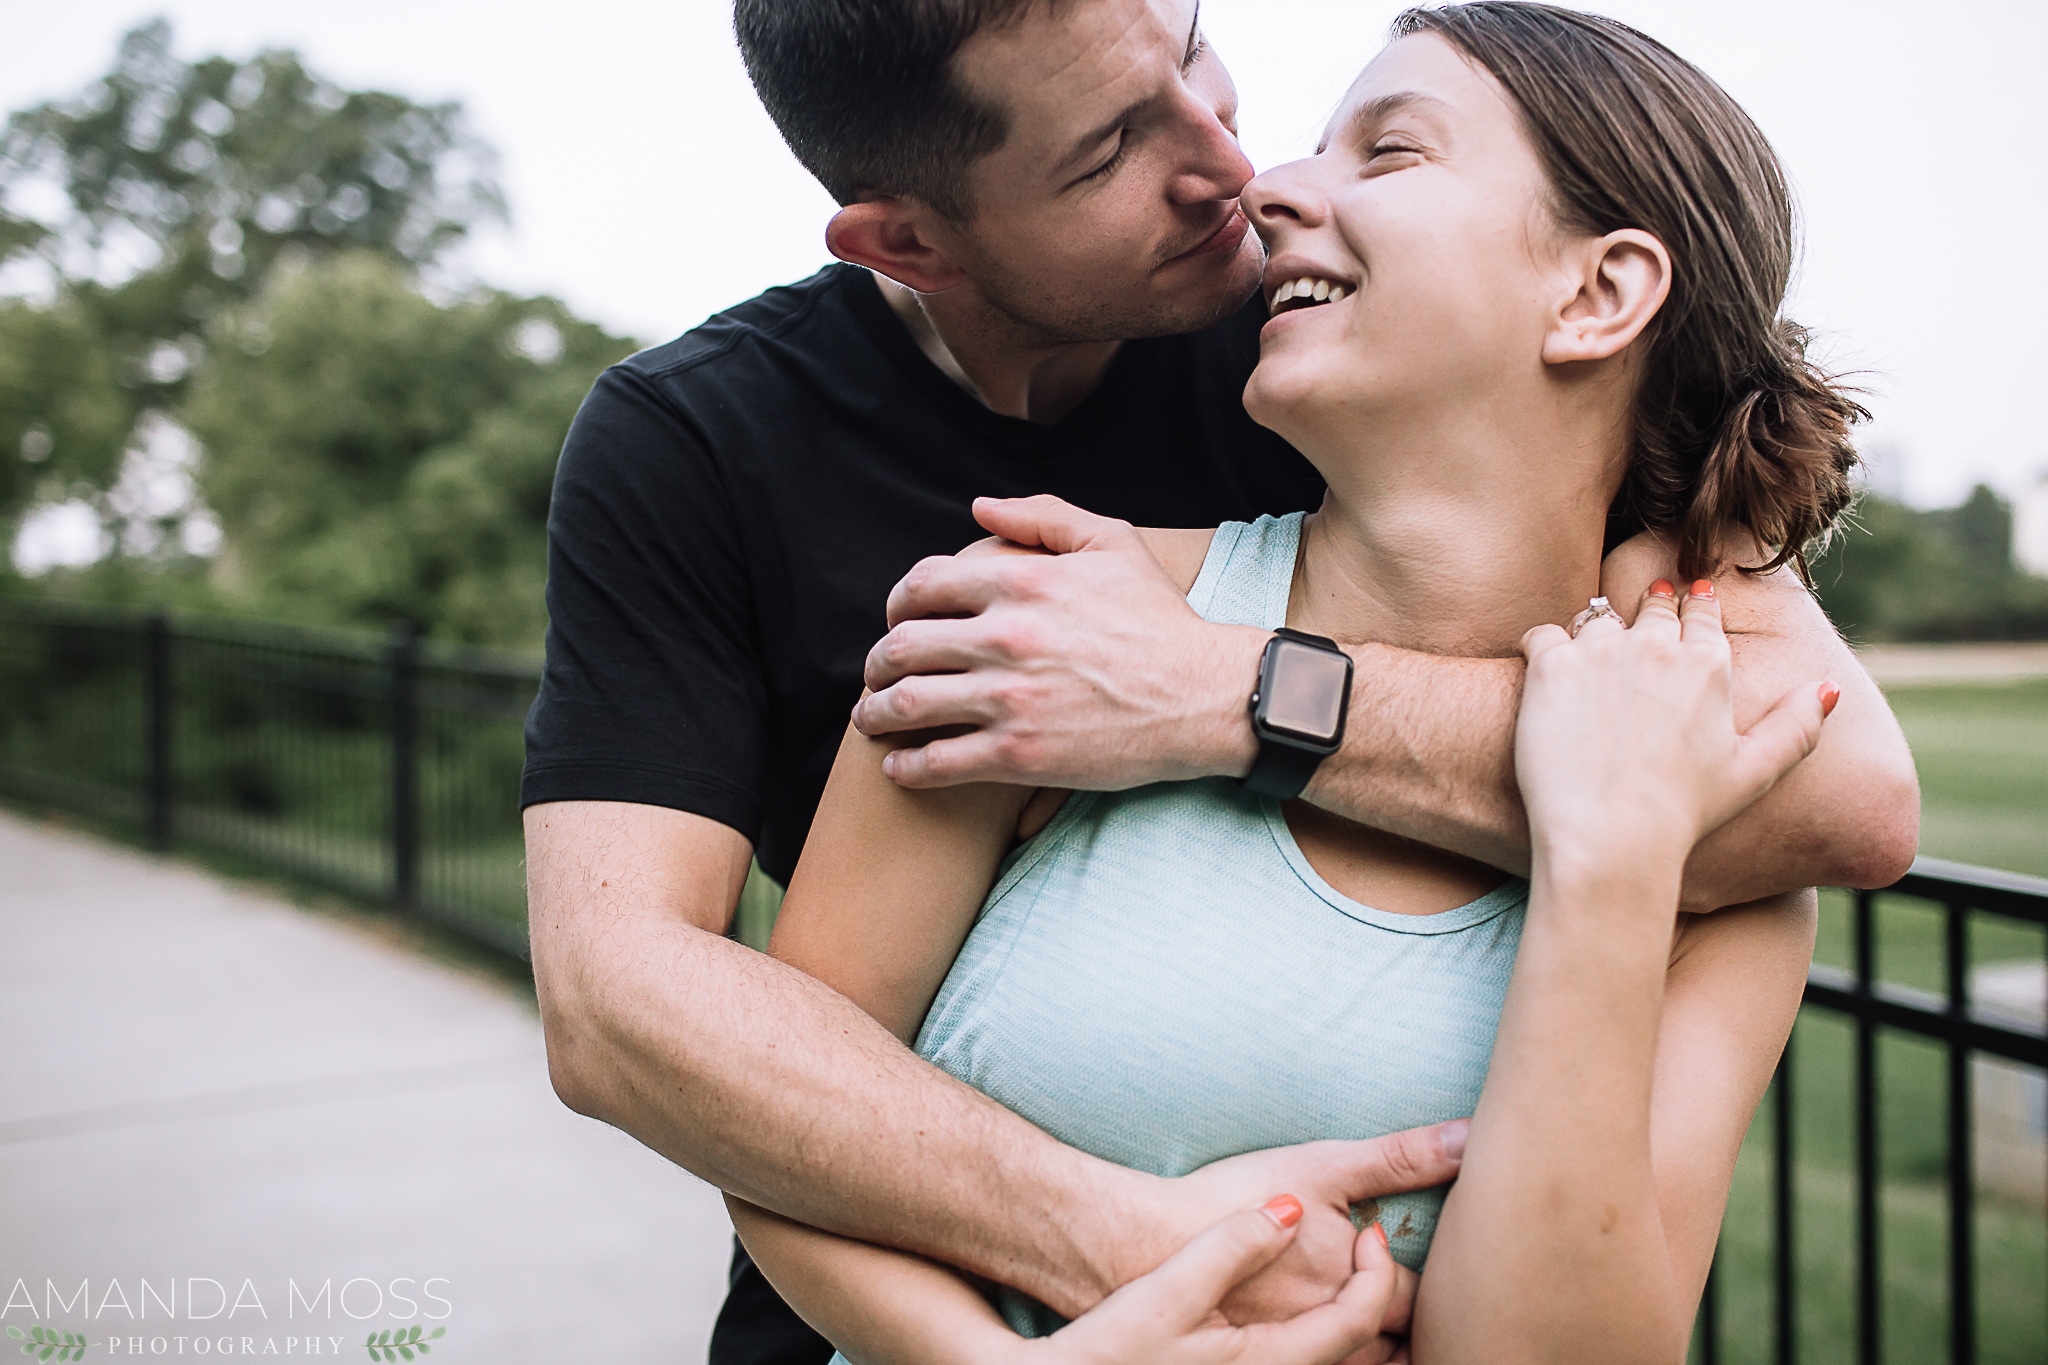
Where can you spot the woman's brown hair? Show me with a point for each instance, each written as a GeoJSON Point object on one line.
{"type": "Point", "coordinates": [1734, 426]}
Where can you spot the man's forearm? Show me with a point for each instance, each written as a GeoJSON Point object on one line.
{"type": "Point", "coordinates": [1429, 754]}
{"type": "Point", "coordinates": [776, 1088]}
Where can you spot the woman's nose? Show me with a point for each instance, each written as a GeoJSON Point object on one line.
{"type": "Point", "coordinates": [1283, 197]}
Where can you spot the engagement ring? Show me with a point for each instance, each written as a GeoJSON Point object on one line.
{"type": "Point", "coordinates": [1596, 607]}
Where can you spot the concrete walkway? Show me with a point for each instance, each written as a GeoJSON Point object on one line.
{"type": "Point", "coordinates": [201, 1086]}
{"type": "Point", "coordinates": [1913, 665]}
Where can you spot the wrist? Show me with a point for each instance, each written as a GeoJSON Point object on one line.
{"type": "Point", "coordinates": [1627, 874]}
{"type": "Point", "coordinates": [1117, 1224]}
{"type": "Point", "coordinates": [1222, 730]}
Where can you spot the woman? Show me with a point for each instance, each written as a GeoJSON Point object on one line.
{"type": "Point", "coordinates": [1533, 273]}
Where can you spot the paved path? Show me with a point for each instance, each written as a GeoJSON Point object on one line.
{"type": "Point", "coordinates": [1908, 665]}
{"type": "Point", "coordinates": [202, 1085]}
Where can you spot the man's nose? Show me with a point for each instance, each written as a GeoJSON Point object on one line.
{"type": "Point", "coordinates": [1216, 167]}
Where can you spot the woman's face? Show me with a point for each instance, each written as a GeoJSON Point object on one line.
{"type": "Point", "coordinates": [1423, 211]}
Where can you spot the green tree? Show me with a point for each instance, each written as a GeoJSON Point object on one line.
{"type": "Point", "coordinates": [374, 455]}
{"type": "Point", "coordinates": [168, 190]}
{"type": "Point", "coordinates": [1896, 573]}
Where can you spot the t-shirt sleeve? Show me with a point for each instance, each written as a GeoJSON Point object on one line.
{"type": "Point", "coordinates": [653, 689]}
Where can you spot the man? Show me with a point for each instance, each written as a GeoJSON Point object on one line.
{"type": "Point", "coordinates": [1044, 290]}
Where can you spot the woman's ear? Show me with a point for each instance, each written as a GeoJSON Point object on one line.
{"type": "Point", "coordinates": [897, 237]}
{"type": "Point", "coordinates": [1622, 280]}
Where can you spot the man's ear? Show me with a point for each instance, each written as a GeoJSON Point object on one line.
{"type": "Point", "coordinates": [898, 238]}
{"type": "Point", "coordinates": [1617, 284]}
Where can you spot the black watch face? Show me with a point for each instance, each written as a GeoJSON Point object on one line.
{"type": "Point", "coordinates": [1305, 693]}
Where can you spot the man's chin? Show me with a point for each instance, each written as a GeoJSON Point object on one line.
{"type": "Point", "coordinates": [1189, 294]}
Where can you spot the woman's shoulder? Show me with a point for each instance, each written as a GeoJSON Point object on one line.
{"type": "Point", "coordinates": [1180, 552]}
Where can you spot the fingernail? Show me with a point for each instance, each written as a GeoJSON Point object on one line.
{"type": "Point", "coordinates": [889, 764]}
{"type": "Point", "coordinates": [1829, 695]}
{"type": "Point", "coordinates": [1453, 1135]}
{"type": "Point", "coordinates": [1702, 588]}
{"type": "Point", "coordinates": [1285, 1211]}
{"type": "Point", "coordinates": [1662, 588]}
{"type": "Point", "coordinates": [1383, 1236]}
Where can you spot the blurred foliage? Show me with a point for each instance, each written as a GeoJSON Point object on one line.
{"type": "Point", "coordinates": [236, 248]}
{"type": "Point", "coordinates": [373, 455]}
{"type": "Point", "coordinates": [1894, 573]}
{"type": "Point", "coordinates": [169, 189]}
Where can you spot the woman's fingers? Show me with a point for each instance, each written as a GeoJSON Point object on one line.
{"type": "Point", "coordinates": [1188, 1285]}
{"type": "Point", "coordinates": [1658, 611]}
{"type": "Point", "coordinates": [1784, 735]}
{"type": "Point", "coordinates": [1330, 1333]}
{"type": "Point", "coordinates": [1700, 617]}
{"type": "Point", "coordinates": [1542, 639]}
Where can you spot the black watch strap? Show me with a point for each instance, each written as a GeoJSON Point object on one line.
{"type": "Point", "coordinates": [1281, 770]}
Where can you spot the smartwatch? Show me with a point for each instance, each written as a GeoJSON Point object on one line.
{"type": "Point", "coordinates": [1298, 710]}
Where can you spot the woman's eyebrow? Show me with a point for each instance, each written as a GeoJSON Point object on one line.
{"type": "Point", "coordinates": [1380, 108]}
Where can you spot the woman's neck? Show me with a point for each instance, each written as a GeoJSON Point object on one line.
{"type": "Point", "coordinates": [1456, 536]}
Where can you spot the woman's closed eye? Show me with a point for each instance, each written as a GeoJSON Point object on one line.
{"type": "Point", "coordinates": [1390, 156]}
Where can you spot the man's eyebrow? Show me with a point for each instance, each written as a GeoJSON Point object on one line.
{"type": "Point", "coordinates": [1093, 138]}
{"type": "Point", "coordinates": [1382, 107]}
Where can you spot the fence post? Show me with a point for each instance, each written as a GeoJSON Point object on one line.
{"type": "Point", "coordinates": [405, 832]}
{"type": "Point", "coordinates": [157, 675]}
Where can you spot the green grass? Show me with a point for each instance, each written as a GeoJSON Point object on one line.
{"type": "Point", "coordinates": [1982, 752]}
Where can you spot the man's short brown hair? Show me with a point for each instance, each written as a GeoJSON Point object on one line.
{"type": "Point", "coordinates": [864, 92]}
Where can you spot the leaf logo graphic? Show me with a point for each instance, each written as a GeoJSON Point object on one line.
{"type": "Point", "coordinates": [402, 1343]}
{"type": "Point", "coordinates": [49, 1343]}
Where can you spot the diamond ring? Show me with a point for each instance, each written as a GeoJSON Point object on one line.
{"type": "Point", "coordinates": [1597, 607]}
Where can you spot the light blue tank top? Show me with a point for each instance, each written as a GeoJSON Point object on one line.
{"type": "Point", "coordinates": [1160, 978]}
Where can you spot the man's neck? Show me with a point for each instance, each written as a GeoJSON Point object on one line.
{"type": "Point", "coordinates": [991, 357]}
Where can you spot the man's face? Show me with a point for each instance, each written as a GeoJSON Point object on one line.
{"type": "Point", "coordinates": [1111, 210]}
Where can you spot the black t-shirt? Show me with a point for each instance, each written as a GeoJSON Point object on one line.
{"type": "Point", "coordinates": [732, 509]}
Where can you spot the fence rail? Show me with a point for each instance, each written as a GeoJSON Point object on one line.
{"type": "Point", "coordinates": [390, 769]}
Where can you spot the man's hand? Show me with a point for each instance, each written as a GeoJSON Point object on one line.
{"type": "Point", "coordinates": [1328, 1178]}
{"type": "Point", "coordinates": [1082, 668]}
{"type": "Point", "coordinates": [1170, 1316]}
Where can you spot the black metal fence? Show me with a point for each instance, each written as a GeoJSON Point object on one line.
{"type": "Point", "coordinates": [386, 769]}
{"type": "Point", "coordinates": [390, 770]}
{"type": "Point", "coordinates": [1968, 1033]}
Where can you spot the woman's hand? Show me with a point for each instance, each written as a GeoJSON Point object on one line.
{"type": "Point", "coordinates": [1171, 1316]}
{"type": "Point", "coordinates": [1627, 735]}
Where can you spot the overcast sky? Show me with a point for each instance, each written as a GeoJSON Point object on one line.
{"type": "Point", "coordinates": [648, 189]}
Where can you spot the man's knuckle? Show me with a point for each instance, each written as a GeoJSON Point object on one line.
{"type": "Point", "coordinates": [1020, 640]}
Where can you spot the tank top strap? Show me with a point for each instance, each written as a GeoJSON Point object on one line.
{"type": "Point", "coordinates": [1248, 572]}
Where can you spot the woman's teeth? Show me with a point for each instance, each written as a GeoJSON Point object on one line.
{"type": "Point", "coordinates": [1305, 292]}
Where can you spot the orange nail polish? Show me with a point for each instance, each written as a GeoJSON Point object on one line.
{"type": "Point", "coordinates": [1286, 1210]}
{"type": "Point", "coordinates": [1383, 1236]}
{"type": "Point", "coordinates": [1829, 695]}
{"type": "Point", "coordinates": [1702, 588]}
{"type": "Point", "coordinates": [1662, 588]}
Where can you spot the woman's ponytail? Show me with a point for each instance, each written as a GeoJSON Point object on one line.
{"type": "Point", "coordinates": [1778, 466]}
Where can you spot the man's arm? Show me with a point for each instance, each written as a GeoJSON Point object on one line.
{"type": "Point", "coordinates": [773, 1086]}
{"type": "Point", "coordinates": [1431, 758]}
{"type": "Point", "coordinates": [778, 1089]}
{"type": "Point", "coordinates": [1089, 670]}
